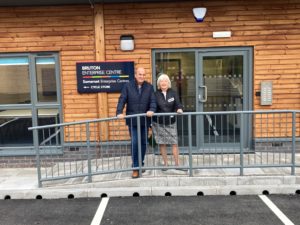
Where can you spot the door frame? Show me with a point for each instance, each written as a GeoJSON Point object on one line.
{"type": "Point", "coordinates": [247, 87]}
{"type": "Point", "coordinates": [246, 125]}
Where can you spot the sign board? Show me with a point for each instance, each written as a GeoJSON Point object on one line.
{"type": "Point", "coordinates": [93, 77]}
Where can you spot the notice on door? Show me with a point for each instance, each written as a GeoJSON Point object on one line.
{"type": "Point", "coordinates": [93, 77]}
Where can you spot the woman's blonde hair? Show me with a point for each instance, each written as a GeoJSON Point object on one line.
{"type": "Point", "coordinates": [163, 77]}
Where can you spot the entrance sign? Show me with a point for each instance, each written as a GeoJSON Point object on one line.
{"type": "Point", "coordinates": [93, 77]}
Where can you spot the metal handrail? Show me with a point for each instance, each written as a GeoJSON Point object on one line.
{"type": "Point", "coordinates": [231, 148]}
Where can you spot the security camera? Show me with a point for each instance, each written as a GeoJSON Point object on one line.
{"type": "Point", "coordinates": [199, 14]}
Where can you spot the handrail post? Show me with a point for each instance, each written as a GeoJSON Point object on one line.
{"type": "Point", "coordinates": [88, 142]}
{"type": "Point", "coordinates": [242, 144]}
{"type": "Point", "coordinates": [293, 142]}
{"type": "Point", "coordinates": [190, 145]}
{"type": "Point", "coordinates": [38, 160]}
{"type": "Point", "coordinates": [139, 144]}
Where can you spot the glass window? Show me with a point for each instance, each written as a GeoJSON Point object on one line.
{"type": "Point", "coordinates": [14, 124]}
{"type": "Point", "coordinates": [223, 76]}
{"type": "Point", "coordinates": [180, 67]}
{"type": "Point", "coordinates": [15, 81]}
{"type": "Point", "coordinates": [49, 136]}
{"type": "Point", "coordinates": [20, 96]}
{"type": "Point", "coordinates": [46, 82]}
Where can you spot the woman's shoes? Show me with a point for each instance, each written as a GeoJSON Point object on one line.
{"type": "Point", "coordinates": [164, 169]}
{"type": "Point", "coordinates": [181, 169]}
{"type": "Point", "coordinates": [165, 166]}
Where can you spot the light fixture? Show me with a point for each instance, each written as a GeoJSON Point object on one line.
{"type": "Point", "coordinates": [199, 14]}
{"type": "Point", "coordinates": [127, 42]}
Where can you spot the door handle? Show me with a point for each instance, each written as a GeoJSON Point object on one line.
{"type": "Point", "coordinates": [204, 98]}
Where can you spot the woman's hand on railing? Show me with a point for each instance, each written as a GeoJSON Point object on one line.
{"type": "Point", "coordinates": [149, 113]}
{"type": "Point", "coordinates": [179, 111]}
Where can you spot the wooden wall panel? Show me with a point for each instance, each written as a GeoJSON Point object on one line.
{"type": "Point", "coordinates": [68, 30]}
{"type": "Point", "coordinates": [272, 28]}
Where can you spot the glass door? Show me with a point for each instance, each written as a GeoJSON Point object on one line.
{"type": "Point", "coordinates": [180, 67]}
{"type": "Point", "coordinates": [210, 80]}
{"type": "Point", "coordinates": [223, 86]}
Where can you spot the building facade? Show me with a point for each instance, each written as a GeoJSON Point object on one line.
{"type": "Point", "coordinates": [219, 64]}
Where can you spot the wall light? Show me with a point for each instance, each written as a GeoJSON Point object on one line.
{"type": "Point", "coordinates": [127, 42]}
{"type": "Point", "coordinates": [199, 14]}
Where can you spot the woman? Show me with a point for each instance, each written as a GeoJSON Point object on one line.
{"type": "Point", "coordinates": [165, 127]}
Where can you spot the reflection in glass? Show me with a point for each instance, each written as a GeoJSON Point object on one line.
{"type": "Point", "coordinates": [15, 82]}
{"type": "Point", "coordinates": [46, 81]}
{"type": "Point", "coordinates": [14, 124]}
{"type": "Point", "coordinates": [48, 136]}
{"type": "Point", "coordinates": [180, 67]}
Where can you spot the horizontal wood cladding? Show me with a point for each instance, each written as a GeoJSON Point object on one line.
{"type": "Point", "coordinates": [272, 28]}
{"type": "Point", "coordinates": [68, 30]}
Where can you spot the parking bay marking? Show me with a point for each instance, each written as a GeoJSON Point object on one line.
{"type": "Point", "coordinates": [276, 210]}
{"type": "Point", "coordinates": [100, 212]}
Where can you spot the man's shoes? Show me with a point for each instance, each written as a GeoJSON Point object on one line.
{"type": "Point", "coordinates": [135, 174]}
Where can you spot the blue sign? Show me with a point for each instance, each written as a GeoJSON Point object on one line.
{"type": "Point", "coordinates": [93, 77]}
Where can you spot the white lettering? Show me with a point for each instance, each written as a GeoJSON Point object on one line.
{"type": "Point", "coordinates": [90, 68]}
{"type": "Point", "coordinates": [90, 81]}
{"type": "Point", "coordinates": [122, 81]}
{"type": "Point", "coordinates": [113, 71]}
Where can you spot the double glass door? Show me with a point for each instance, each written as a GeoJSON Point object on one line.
{"type": "Point", "coordinates": [216, 81]}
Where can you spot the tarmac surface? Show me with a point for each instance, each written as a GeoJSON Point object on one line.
{"type": "Point", "coordinates": [150, 210]}
{"type": "Point", "coordinates": [169, 199]}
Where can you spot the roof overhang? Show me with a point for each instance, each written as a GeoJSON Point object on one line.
{"type": "Point", "coordinates": [69, 2]}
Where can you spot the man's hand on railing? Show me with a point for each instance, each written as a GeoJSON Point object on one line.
{"type": "Point", "coordinates": [149, 113]}
{"type": "Point", "coordinates": [120, 116]}
{"type": "Point", "coordinates": [179, 111]}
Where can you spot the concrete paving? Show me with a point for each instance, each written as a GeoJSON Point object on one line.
{"type": "Point", "coordinates": [22, 183]}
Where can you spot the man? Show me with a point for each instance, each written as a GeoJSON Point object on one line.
{"type": "Point", "coordinates": [138, 96]}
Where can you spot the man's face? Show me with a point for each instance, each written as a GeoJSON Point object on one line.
{"type": "Point", "coordinates": [140, 76]}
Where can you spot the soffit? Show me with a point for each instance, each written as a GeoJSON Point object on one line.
{"type": "Point", "coordinates": [69, 2]}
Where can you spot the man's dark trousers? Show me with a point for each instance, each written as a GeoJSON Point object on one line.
{"type": "Point", "coordinates": [133, 130]}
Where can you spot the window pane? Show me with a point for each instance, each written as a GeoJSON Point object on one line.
{"type": "Point", "coordinates": [15, 82]}
{"type": "Point", "coordinates": [223, 77]}
{"type": "Point", "coordinates": [48, 136]}
{"type": "Point", "coordinates": [46, 82]}
{"type": "Point", "coordinates": [14, 125]}
{"type": "Point", "coordinates": [180, 67]}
